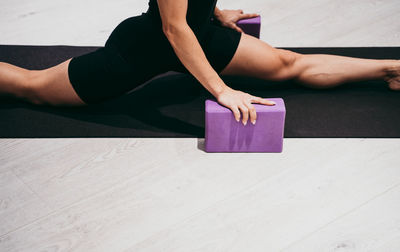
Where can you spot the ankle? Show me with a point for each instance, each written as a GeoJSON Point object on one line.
{"type": "Point", "coordinates": [392, 69]}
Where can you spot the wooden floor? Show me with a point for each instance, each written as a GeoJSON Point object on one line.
{"type": "Point", "coordinates": [166, 194]}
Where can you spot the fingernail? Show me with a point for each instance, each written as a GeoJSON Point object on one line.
{"type": "Point", "coordinates": [244, 123]}
{"type": "Point", "coordinates": [253, 122]}
{"type": "Point", "coordinates": [273, 103]}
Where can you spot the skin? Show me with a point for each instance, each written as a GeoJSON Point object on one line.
{"type": "Point", "coordinates": [189, 51]}
{"type": "Point", "coordinates": [253, 58]}
{"type": "Point", "coordinates": [229, 18]}
{"type": "Point", "coordinates": [256, 58]}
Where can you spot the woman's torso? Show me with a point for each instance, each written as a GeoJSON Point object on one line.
{"type": "Point", "coordinates": [140, 38]}
{"type": "Point", "coordinates": [199, 13]}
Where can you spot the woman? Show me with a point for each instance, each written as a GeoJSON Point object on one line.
{"type": "Point", "coordinates": [190, 36]}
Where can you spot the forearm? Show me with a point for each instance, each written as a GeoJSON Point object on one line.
{"type": "Point", "coordinates": [190, 53]}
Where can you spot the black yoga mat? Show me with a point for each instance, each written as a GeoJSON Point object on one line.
{"type": "Point", "coordinates": [172, 105]}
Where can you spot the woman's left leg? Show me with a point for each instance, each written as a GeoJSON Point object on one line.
{"type": "Point", "coordinates": [256, 58]}
{"type": "Point", "coordinates": [49, 86]}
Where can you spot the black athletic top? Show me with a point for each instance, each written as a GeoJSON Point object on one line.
{"type": "Point", "coordinates": [138, 50]}
{"type": "Point", "coordinates": [198, 15]}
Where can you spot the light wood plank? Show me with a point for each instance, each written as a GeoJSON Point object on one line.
{"type": "Point", "coordinates": [19, 154]}
{"type": "Point", "coordinates": [159, 196]}
{"type": "Point", "coordinates": [18, 204]}
{"type": "Point", "coordinates": [268, 204]}
{"type": "Point", "coordinates": [372, 227]}
{"type": "Point", "coordinates": [282, 209]}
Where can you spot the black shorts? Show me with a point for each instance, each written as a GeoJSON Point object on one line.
{"type": "Point", "coordinates": [136, 51]}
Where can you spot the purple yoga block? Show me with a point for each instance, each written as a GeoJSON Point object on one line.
{"type": "Point", "coordinates": [251, 26]}
{"type": "Point", "coordinates": [224, 134]}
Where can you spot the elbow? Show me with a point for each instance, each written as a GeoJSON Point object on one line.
{"type": "Point", "coordinates": [172, 29]}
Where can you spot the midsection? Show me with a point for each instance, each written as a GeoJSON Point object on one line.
{"type": "Point", "coordinates": [141, 41]}
{"type": "Point", "coordinates": [199, 13]}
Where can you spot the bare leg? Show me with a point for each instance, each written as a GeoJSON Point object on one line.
{"type": "Point", "coordinates": [326, 71]}
{"type": "Point", "coordinates": [256, 58]}
{"type": "Point", "coordinates": [50, 86]}
{"type": "Point", "coordinates": [12, 80]}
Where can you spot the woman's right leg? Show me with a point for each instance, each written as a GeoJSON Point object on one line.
{"type": "Point", "coordinates": [258, 59]}
{"type": "Point", "coordinates": [49, 86]}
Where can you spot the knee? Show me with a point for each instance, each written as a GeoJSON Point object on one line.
{"type": "Point", "coordinates": [288, 67]}
{"type": "Point", "coordinates": [288, 58]}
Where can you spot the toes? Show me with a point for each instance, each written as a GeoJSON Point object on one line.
{"type": "Point", "coordinates": [394, 84]}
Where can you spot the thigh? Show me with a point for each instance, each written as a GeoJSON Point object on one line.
{"type": "Point", "coordinates": [219, 44]}
{"type": "Point", "coordinates": [52, 86]}
{"type": "Point", "coordinates": [105, 74]}
{"type": "Point", "coordinates": [256, 58]}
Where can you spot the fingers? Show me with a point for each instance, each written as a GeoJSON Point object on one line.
{"type": "Point", "coordinates": [241, 103]}
{"type": "Point", "coordinates": [252, 112]}
{"type": "Point", "coordinates": [236, 113]}
{"type": "Point", "coordinates": [245, 113]}
{"type": "Point", "coordinates": [242, 16]}
{"type": "Point", "coordinates": [248, 110]}
{"type": "Point", "coordinates": [249, 15]}
{"type": "Point", "coordinates": [263, 101]}
{"type": "Point", "coordinates": [237, 28]}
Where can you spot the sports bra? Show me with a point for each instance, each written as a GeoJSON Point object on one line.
{"type": "Point", "coordinates": [199, 13]}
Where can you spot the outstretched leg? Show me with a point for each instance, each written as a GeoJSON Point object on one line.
{"type": "Point", "coordinates": [42, 87]}
{"type": "Point", "coordinates": [257, 59]}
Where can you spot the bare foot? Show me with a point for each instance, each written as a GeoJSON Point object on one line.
{"type": "Point", "coordinates": [394, 83]}
{"type": "Point", "coordinates": [393, 77]}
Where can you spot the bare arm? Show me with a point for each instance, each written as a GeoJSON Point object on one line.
{"type": "Point", "coordinates": [186, 45]}
{"type": "Point", "coordinates": [190, 53]}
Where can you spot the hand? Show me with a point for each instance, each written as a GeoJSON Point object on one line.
{"type": "Point", "coordinates": [235, 100]}
{"type": "Point", "coordinates": [229, 18]}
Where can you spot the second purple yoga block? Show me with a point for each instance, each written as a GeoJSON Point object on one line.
{"type": "Point", "coordinates": [251, 26]}
{"type": "Point", "coordinates": [224, 134]}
